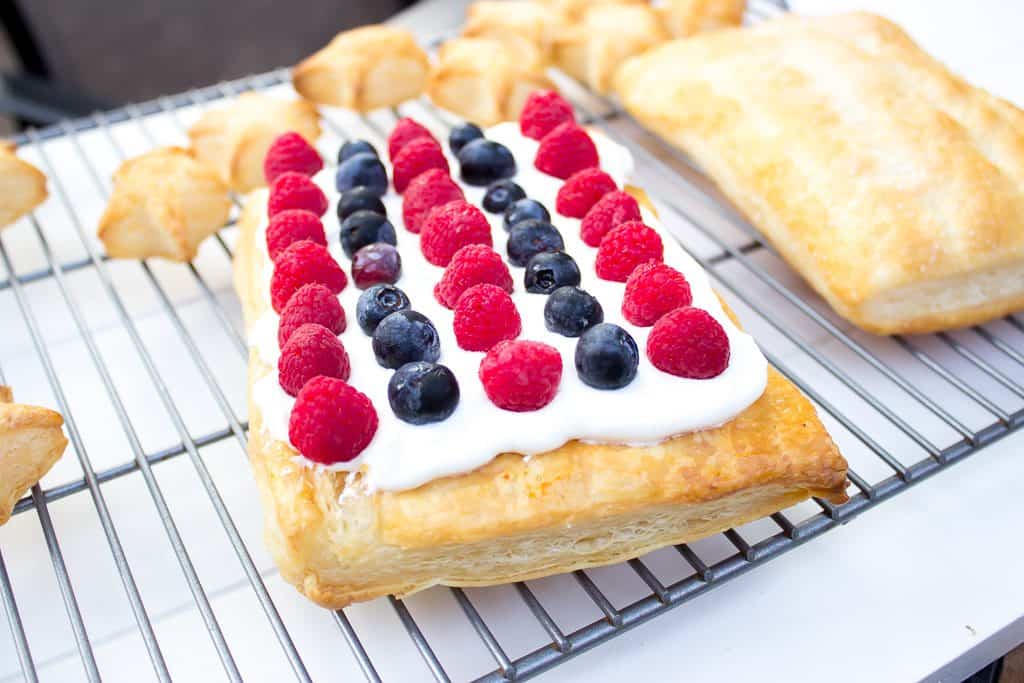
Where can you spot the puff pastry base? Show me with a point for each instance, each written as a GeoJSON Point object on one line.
{"type": "Point", "coordinates": [22, 186]}
{"type": "Point", "coordinates": [31, 441]}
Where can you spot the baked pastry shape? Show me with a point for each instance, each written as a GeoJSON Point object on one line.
{"type": "Point", "coordinates": [527, 28]}
{"type": "Point", "coordinates": [893, 186]}
{"type": "Point", "coordinates": [31, 441]}
{"type": "Point", "coordinates": [22, 185]}
{"type": "Point", "coordinates": [164, 203]}
{"type": "Point", "coordinates": [364, 69]}
{"type": "Point", "coordinates": [684, 18]}
{"type": "Point", "coordinates": [233, 140]}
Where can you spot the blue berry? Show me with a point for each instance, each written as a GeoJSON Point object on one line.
{"type": "Point", "coordinates": [404, 337]}
{"type": "Point", "coordinates": [523, 210]}
{"type": "Point", "coordinates": [527, 238]}
{"type": "Point", "coordinates": [359, 199]}
{"type": "Point", "coordinates": [569, 311]}
{"type": "Point", "coordinates": [463, 135]}
{"type": "Point", "coordinates": [354, 147]}
{"type": "Point", "coordinates": [365, 227]}
{"type": "Point", "coordinates": [549, 270]}
{"type": "Point", "coordinates": [501, 194]}
{"type": "Point", "coordinates": [484, 161]}
{"type": "Point", "coordinates": [421, 392]}
{"type": "Point", "coordinates": [377, 303]}
{"type": "Point", "coordinates": [606, 357]}
{"type": "Point", "coordinates": [362, 170]}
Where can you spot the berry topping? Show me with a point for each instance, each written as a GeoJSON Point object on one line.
{"type": "Point", "coordinates": [365, 227]}
{"type": "Point", "coordinates": [331, 421]}
{"type": "Point", "coordinates": [376, 263]}
{"type": "Point", "coordinates": [290, 152]}
{"type": "Point", "coordinates": [449, 227]}
{"type": "Point", "coordinates": [310, 351]}
{"type": "Point", "coordinates": [359, 199]}
{"type": "Point", "coordinates": [354, 147]}
{"type": "Point", "coordinates": [566, 150]}
{"type": "Point", "coordinates": [377, 303]}
{"type": "Point", "coordinates": [688, 342]}
{"type": "Point", "coordinates": [570, 310]}
{"type": "Point", "coordinates": [606, 357]}
{"type": "Point", "coordinates": [362, 170]}
{"type": "Point", "coordinates": [542, 112]}
{"type": "Point", "coordinates": [652, 290]}
{"type": "Point", "coordinates": [624, 248]}
{"type": "Point", "coordinates": [417, 156]}
{"type": "Point", "coordinates": [292, 190]}
{"type": "Point", "coordinates": [527, 238]}
{"type": "Point", "coordinates": [463, 134]}
{"type": "Point", "coordinates": [581, 191]}
{"type": "Point", "coordinates": [521, 375]}
{"type": "Point", "coordinates": [613, 208]}
{"type": "Point", "coordinates": [421, 393]}
{"type": "Point", "coordinates": [404, 337]}
{"type": "Point", "coordinates": [549, 270]}
{"type": "Point", "coordinates": [524, 210]}
{"type": "Point", "coordinates": [302, 263]}
{"type": "Point", "coordinates": [500, 194]}
{"type": "Point", "coordinates": [404, 132]}
{"type": "Point", "coordinates": [312, 303]}
{"type": "Point", "coordinates": [292, 225]}
{"type": "Point", "coordinates": [484, 316]}
{"type": "Point", "coordinates": [427, 190]}
{"type": "Point", "coordinates": [473, 264]}
{"type": "Point", "coordinates": [481, 162]}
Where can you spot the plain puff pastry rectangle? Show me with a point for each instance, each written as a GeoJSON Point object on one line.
{"type": "Point", "coordinates": [893, 186]}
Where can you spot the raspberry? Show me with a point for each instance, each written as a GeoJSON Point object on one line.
{"type": "Point", "coordinates": [292, 190]}
{"type": "Point", "coordinates": [331, 421]}
{"type": "Point", "coordinates": [404, 132]}
{"type": "Point", "coordinates": [484, 316]}
{"type": "Point", "coordinates": [688, 342]}
{"type": "Point", "coordinates": [543, 110]}
{"type": "Point", "coordinates": [312, 303]}
{"type": "Point", "coordinates": [290, 152]}
{"type": "Point", "coordinates": [449, 227]}
{"type": "Point", "coordinates": [418, 156]}
{"type": "Point", "coordinates": [472, 264]}
{"type": "Point", "coordinates": [427, 190]}
{"type": "Point", "coordinates": [652, 290]}
{"type": "Point", "coordinates": [581, 191]}
{"type": "Point", "coordinates": [626, 247]}
{"type": "Point", "coordinates": [312, 350]}
{"type": "Point", "coordinates": [301, 263]}
{"type": "Point", "coordinates": [610, 210]}
{"type": "Point", "coordinates": [565, 150]}
{"type": "Point", "coordinates": [292, 225]}
{"type": "Point", "coordinates": [521, 375]}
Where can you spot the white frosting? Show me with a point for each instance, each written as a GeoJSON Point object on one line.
{"type": "Point", "coordinates": [654, 407]}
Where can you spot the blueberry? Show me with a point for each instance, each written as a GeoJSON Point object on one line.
{"type": "Point", "coordinates": [606, 357]}
{"type": "Point", "coordinates": [365, 227]}
{"type": "Point", "coordinates": [484, 161]}
{"type": "Point", "coordinates": [354, 147]}
{"type": "Point", "coordinates": [364, 170]}
{"type": "Point", "coordinates": [570, 310]}
{"type": "Point", "coordinates": [500, 194]}
{"type": "Point", "coordinates": [376, 263]}
{"type": "Point", "coordinates": [524, 210]}
{"type": "Point", "coordinates": [527, 238]}
{"type": "Point", "coordinates": [549, 270]}
{"type": "Point", "coordinates": [377, 303]}
{"type": "Point", "coordinates": [359, 199]}
{"type": "Point", "coordinates": [462, 135]}
{"type": "Point", "coordinates": [421, 393]}
{"type": "Point", "coordinates": [404, 337]}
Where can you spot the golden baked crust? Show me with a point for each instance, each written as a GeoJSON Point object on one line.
{"type": "Point", "coordinates": [22, 185]}
{"type": "Point", "coordinates": [526, 28]}
{"type": "Point", "coordinates": [684, 18]}
{"type": "Point", "coordinates": [164, 203]}
{"type": "Point", "coordinates": [893, 186]}
{"type": "Point", "coordinates": [31, 441]}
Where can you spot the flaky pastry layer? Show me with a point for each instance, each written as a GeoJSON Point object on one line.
{"type": "Point", "coordinates": [31, 441]}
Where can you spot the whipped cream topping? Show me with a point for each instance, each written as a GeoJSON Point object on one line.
{"type": "Point", "coordinates": [654, 407]}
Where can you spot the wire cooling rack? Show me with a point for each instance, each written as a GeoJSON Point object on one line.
{"type": "Point", "coordinates": [131, 559]}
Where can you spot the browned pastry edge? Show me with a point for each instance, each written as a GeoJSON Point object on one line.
{"type": "Point", "coordinates": [31, 441]}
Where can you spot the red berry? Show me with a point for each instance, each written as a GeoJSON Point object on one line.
{"type": "Point", "coordinates": [312, 303]}
{"type": "Point", "coordinates": [484, 316]}
{"type": "Point", "coordinates": [301, 263]}
{"type": "Point", "coordinates": [566, 150]}
{"type": "Point", "coordinates": [427, 190]}
{"type": "Point", "coordinates": [405, 131]}
{"type": "Point", "coordinates": [312, 350]}
{"type": "Point", "coordinates": [626, 247]}
{"type": "Point", "coordinates": [376, 263]}
{"type": "Point", "coordinates": [581, 191]}
{"type": "Point", "coordinates": [450, 227]}
{"type": "Point", "coordinates": [613, 208]}
{"type": "Point", "coordinates": [652, 290]}
{"type": "Point", "coordinates": [472, 264]}
{"type": "Point", "coordinates": [521, 375]}
{"type": "Point", "coordinates": [292, 190]}
{"type": "Point", "coordinates": [290, 152]}
{"type": "Point", "coordinates": [543, 110]}
{"type": "Point", "coordinates": [292, 225]}
{"type": "Point", "coordinates": [331, 421]}
{"type": "Point", "coordinates": [417, 156]}
{"type": "Point", "coordinates": [688, 342]}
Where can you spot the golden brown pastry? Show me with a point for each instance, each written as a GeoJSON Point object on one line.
{"type": "Point", "coordinates": [526, 28]}
{"type": "Point", "coordinates": [22, 185]}
{"type": "Point", "coordinates": [574, 9]}
{"type": "Point", "coordinates": [31, 441]}
{"type": "Point", "coordinates": [684, 18]}
{"type": "Point", "coordinates": [893, 186]}
{"type": "Point", "coordinates": [164, 204]}
{"type": "Point", "coordinates": [364, 69]}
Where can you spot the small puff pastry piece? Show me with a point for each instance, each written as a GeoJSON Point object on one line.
{"type": "Point", "coordinates": [364, 69]}
{"type": "Point", "coordinates": [234, 140]}
{"type": "Point", "coordinates": [526, 28]}
{"type": "Point", "coordinates": [31, 441]}
{"type": "Point", "coordinates": [684, 18]}
{"type": "Point", "coordinates": [22, 185]}
{"type": "Point", "coordinates": [164, 204]}
{"type": "Point", "coordinates": [894, 187]}
{"type": "Point", "coordinates": [481, 80]}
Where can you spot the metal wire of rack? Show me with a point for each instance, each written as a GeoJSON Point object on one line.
{"type": "Point", "coordinates": [933, 400]}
